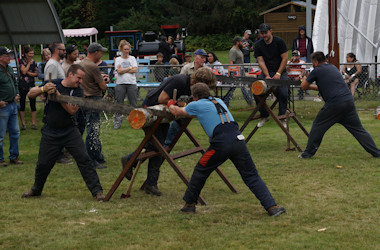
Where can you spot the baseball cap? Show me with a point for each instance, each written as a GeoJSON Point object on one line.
{"type": "Point", "coordinates": [200, 52]}
{"type": "Point", "coordinates": [248, 32]}
{"type": "Point", "coordinates": [93, 47]}
{"type": "Point", "coordinates": [264, 27]}
{"type": "Point", "coordinates": [70, 49]}
{"type": "Point", "coordinates": [5, 51]}
{"type": "Point", "coordinates": [188, 54]}
{"type": "Point", "coordinates": [295, 53]}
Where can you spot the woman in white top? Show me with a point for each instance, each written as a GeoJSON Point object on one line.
{"type": "Point", "coordinates": [126, 67]}
{"type": "Point", "coordinates": [213, 63]}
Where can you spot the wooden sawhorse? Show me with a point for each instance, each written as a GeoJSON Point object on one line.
{"type": "Point", "coordinates": [165, 153]}
{"type": "Point", "coordinates": [289, 114]}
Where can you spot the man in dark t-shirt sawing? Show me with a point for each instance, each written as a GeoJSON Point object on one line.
{"type": "Point", "coordinates": [339, 107]}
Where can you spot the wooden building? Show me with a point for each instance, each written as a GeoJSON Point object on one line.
{"type": "Point", "coordinates": [286, 18]}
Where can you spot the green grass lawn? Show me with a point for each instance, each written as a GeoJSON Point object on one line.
{"type": "Point", "coordinates": [327, 207]}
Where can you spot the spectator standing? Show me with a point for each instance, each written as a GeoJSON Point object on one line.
{"type": "Point", "coordinates": [296, 69]}
{"type": "Point", "coordinates": [45, 56]}
{"type": "Point", "coordinates": [59, 131]}
{"type": "Point", "coordinates": [200, 56]}
{"type": "Point", "coordinates": [272, 55]}
{"type": "Point", "coordinates": [351, 72]}
{"type": "Point", "coordinates": [160, 72]}
{"type": "Point", "coordinates": [188, 58]}
{"type": "Point", "coordinates": [164, 48]}
{"type": "Point", "coordinates": [173, 46]}
{"type": "Point", "coordinates": [8, 108]}
{"type": "Point", "coordinates": [214, 64]}
{"type": "Point", "coordinates": [303, 44]}
{"type": "Point", "coordinates": [54, 66]}
{"type": "Point", "coordinates": [126, 67]}
{"type": "Point", "coordinates": [236, 56]}
{"type": "Point", "coordinates": [93, 86]}
{"type": "Point", "coordinates": [28, 71]}
{"type": "Point", "coordinates": [247, 46]}
{"type": "Point", "coordinates": [71, 57]}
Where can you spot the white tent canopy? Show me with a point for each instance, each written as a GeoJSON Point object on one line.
{"type": "Point", "coordinates": [81, 33]}
{"type": "Point", "coordinates": [358, 28]}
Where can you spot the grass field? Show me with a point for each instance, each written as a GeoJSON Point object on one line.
{"type": "Point", "coordinates": [327, 207]}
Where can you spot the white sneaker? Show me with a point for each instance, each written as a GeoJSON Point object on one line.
{"type": "Point", "coordinates": [283, 122]}
{"type": "Point", "coordinates": [317, 99]}
{"type": "Point", "coordinates": [262, 122]}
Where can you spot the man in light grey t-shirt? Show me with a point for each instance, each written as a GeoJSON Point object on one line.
{"type": "Point", "coordinates": [236, 55]}
{"type": "Point", "coordinates": [53, 66]}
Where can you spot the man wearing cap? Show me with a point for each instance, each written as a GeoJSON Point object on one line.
{"type": "Point", "coordinates": [247, 46]}
{"type": "Point", "coordinates": [303, 44]}
{"type": "Point", "coordinates": [53, 67]}
{"type": "Point", "coordinates": [71, 57]}
{"type": "Point", "coordinates": [296, 69]}
{"type": "Point", "coordinates": [93, 86]}
{"type": "Point", "coordinates": [272, 56]}
{"type": "Point", "coordinates": [296, 66]}
{"type": "Point", "coordinates": [236, 56]}
{"type": "Point", "coordinates": [200, 56]}
{"type": "Point", "coordinates": [188, 58]}
{"type": "Point", "coordinates": [8, 108]}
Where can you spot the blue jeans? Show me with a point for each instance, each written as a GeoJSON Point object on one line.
{"type": "Point", "coordinates": [9, 121]}
{"type": "Point", "coordinates": [173, 130]}
{"type": "Point", "coordinates": [93, 143]}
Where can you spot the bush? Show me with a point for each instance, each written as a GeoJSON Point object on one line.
{"type": "Point", "coordinates": [215, 42]}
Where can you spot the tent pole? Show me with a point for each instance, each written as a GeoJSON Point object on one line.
{"type": "Point", "coordinates": [333, 34]}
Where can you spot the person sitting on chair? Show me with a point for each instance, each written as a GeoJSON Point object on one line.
{"type": "Point", "coordinates": [351, 72]}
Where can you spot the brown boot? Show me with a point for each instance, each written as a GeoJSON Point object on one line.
{"type": "Point", "coordinates": [16, 161]}
{"type": "Point", "coordinates": [188, 208]}
{"type": "Point", "coordinates": [3, 164]}
{"type": "Point", "coordinates": [29, 194]}
{"type": "Point", "coordinates": [152, 190]}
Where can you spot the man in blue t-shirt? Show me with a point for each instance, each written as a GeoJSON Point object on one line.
{"type": "Point", "coordinates": [226, 142]}
{"type": "Point", "coordinates": [339, 107]}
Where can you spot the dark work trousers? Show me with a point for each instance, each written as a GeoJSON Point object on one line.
{"type": "Point", "coordinates": [281, 94]}
{"type": "Point", "coordinates": [223, 146]}
{"type": "Point", "coordinates": [344, 113]}
{"type": "Point", "coordinates": [51, 146]}
{"type": "Point", "coordinates": [154, 162]}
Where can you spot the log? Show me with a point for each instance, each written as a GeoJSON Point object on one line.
{"type": "Point", "coordinates": [145, 117]}
{"type": "Point", "coordinates": [259, 87]}
{"type": "Point", "coordinates": [91, 104]}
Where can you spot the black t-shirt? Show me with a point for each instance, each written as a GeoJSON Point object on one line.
{"type": "Point", "coordinates": [164, 48]}
{"type": "Point", "coordinates": [180, 82]}
{"type": "Point", "coordinates": [271, 52]}
{"type": "Point", "coordinates": [330, 83]}
{"type": "Point", "coordinates": [55, 116]}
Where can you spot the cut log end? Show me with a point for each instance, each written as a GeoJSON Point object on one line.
{"type": "Point", "coordinates": [136, 119]}
{"type": "Point", "coordinates": [259, 87]}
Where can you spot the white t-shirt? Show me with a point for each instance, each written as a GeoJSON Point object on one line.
{"type": "Point", "coordinates": [126, 78]}
{"type": "Point", "coordinates": [56, 70]}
